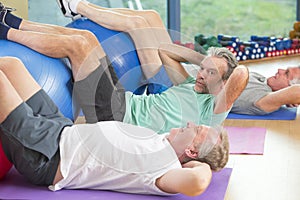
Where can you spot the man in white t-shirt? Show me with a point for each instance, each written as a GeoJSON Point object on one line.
{"type": "Point", "coordinates": [48, 149]}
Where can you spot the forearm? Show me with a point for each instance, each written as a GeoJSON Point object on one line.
{"type": "Point", "coordinates": [181, 54]}
{"type": "Point", "coordinates": [172, 55]}
{"type": "Point", "coordinates": [191, 180]}
{"type": "Point", "coordinates": [274, 100]}
{"type": "Point", "coordinates": [200, 174]}
{"type": "Point", "coordinates": [234, 86]}
{"type": "Point", "coordinates": [294, 94]}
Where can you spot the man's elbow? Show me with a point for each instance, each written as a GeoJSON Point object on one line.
{"type": "Point", "coordinates": [200, 184]}
{"type": "Point", "coordinates": [295, 89]}
{"type": "Point", "coordinates": [242, 72]}
{"type": "Point", "coordinates": [239, 79]}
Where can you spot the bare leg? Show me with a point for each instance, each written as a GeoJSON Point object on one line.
{"type": "Point", "coordinates": [83, 50]}
{"type": "Point", "coordinates": [152, 17]}
{"type": "Point", "coordinates": [49, 28]}
{"type": "Point", "coordinates": [137, 27]}
{"type": "Point", "coordinates": [19, 77]}
{"type": "Point", "coordinates": [9, 97]}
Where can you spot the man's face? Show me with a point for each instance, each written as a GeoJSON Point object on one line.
{"type": "Point", "coordinates": [283, 77]}
{"type": "Point", "coordinates": [193, 137]}
{"type": "Point", "coordinates": [209, 77]}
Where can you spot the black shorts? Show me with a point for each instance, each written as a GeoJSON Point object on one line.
{"type": "Point", "coordinates": [30, 137]}
{"type": "Point", "coordinates": [100, 95]}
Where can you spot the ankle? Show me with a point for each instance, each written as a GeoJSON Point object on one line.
{"type": "Point", "coordinates": [11, 20]}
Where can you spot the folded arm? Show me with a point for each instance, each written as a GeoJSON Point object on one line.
{"type": "Point", "coordinates": [191, 180]}
{"type": "Point", "coordinates": [274, 100]}
{"type": "Point", "coordinates": [234, 86]}
{"type": "Point", "coordinates": [171, 56]}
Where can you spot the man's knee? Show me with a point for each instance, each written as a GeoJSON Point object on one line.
{"type": "Point", "coordinates": [89, 36]}
{"type": "Point", "coordinates": [10, 64]}
{"type": "Point", "coordinates": [152, 15]}
{"type": "Point", "coordinates": [84, 43]}
{"type": "Point", "coordinates": [137, 22]}
{"type": "Point", "coordinates": [85, 36]}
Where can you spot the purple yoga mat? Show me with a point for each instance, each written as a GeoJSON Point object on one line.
{"type": "Point", "coordinates": [246, 140]}
{"type": "Point", "coordinates": [13, 186]}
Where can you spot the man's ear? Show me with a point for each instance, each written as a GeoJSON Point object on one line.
{"type": "Point", "coordinates": [190, 153]}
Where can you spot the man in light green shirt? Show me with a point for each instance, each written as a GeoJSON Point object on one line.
{"type": "Point", "coordinates": [172, 108]}
{"type": "Point", "coordinates": [205, 99]}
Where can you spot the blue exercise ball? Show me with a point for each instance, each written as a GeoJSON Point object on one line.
{"type": "Point", "coordinates": [52, 74]}
{"type": "Point", "coordinates": [121, 51]}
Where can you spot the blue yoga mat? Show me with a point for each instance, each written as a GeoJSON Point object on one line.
{"type": "Point", "coordinates": [283, 113]}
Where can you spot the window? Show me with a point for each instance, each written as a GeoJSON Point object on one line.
{"type": "Point", "coordinates": [241, 18]}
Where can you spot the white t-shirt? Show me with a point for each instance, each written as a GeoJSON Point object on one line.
{"type": "Point", "coordinates": [114, 156]}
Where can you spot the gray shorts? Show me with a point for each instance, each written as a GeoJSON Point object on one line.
{"type": "Point", "coordinates": [30, 137]}
{"type": "Point", "coordinates": [100, 95]}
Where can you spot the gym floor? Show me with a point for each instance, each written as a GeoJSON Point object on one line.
{"type": "Point", "coordinates": [274, 175]}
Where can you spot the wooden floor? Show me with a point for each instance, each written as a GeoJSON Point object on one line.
{"type": "Point", "coordinates": [276, 174]}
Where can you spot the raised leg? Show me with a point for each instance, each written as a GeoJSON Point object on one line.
{"type": "Point", "coordinates": [82, 47]}
{"type": "Point", "coordinates": [10, 97]}
{"type": "Point", "coordinates": [136, 26]}
{"type": "Point", "coordinates": [19, 77]}
{"type": "Point", "coordinates": [151, 16]}
{"type": "Point", "coordinates": [27, 25]}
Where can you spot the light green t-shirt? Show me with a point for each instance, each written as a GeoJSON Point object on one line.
{"type": "Point", "coordinates": [172, 108]}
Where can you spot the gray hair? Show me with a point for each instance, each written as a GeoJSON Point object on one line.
{"type": "Point", "coordinates": [295, 80]}
{"type": "Point", "coordinates": [223, 52]}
